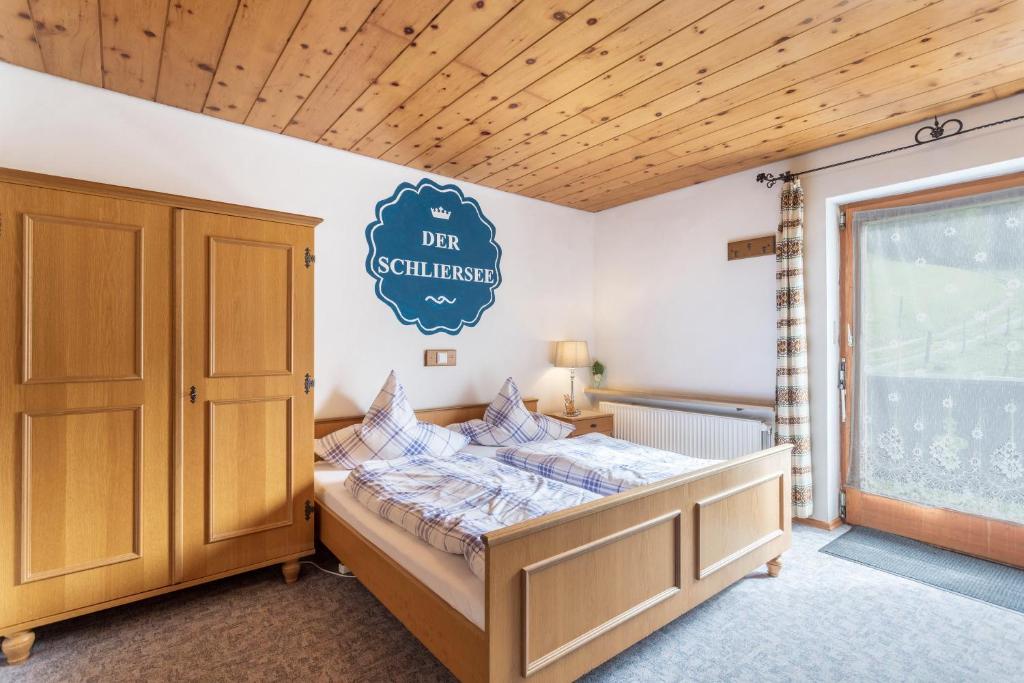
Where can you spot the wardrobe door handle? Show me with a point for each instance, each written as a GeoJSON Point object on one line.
{"type": "Point", "coordinates": [192, 394]}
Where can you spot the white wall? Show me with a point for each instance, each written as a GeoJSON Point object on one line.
{"type": "Point", "coordinates": [672, 313]}
{"type": "Point", "coordinates": [55, 126]}
{"type": "Point", "coordinates": [669, 312]}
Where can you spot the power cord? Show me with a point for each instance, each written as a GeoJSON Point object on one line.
{"type": "Point", "coordinates": [345, 574]}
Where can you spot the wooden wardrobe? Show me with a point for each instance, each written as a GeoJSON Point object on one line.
{"type": "Point", "coordinates": [156, 407]}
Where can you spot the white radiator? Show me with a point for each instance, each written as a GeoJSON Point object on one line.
{"type": "Point", "coordinates": [694, 434]}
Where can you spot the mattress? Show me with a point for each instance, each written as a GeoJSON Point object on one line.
{"type": "Point", "coordinates": [446, 574]}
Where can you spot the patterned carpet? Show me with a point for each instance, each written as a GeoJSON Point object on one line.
{"type": "Point", "coordinates": [823, 619]}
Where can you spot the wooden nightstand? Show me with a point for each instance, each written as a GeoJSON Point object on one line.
{"type": "Point", "coordinates": [587, 422]}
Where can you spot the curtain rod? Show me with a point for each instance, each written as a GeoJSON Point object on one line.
{"type": "Point", "coordinates": [935, 133]}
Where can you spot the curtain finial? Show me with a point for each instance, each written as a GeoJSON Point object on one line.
{"type": "Point", "coordinates": [770, 178]}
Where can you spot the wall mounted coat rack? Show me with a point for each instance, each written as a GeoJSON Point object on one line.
{"type": "Point", "coordinates": [755, 246]}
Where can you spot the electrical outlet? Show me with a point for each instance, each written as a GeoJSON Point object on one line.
{"type": "Point", "coordinates": [439, 358]}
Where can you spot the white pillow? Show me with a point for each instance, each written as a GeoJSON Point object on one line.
{"type": "Point", "coordinates": [507, 422]}
{"type": "Point", "coordinates": [389, 430]}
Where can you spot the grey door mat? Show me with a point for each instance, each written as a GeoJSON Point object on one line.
{"type": "Point", "coordinates": [990, 582]}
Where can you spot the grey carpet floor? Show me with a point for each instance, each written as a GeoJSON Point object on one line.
{"type": "Point", "coordinates": [823, 619]}
{"type": "Point", "coordinates": [979, 579]}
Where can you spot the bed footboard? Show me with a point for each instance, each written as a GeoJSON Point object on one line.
{"type": "Point", "coordinates": [570, 590]}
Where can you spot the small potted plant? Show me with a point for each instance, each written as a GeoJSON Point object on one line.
{"type": "Point", "coordinates": [597, 370]}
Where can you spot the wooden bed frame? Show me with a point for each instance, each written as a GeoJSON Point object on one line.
{"type": "Point", "coordinates": [570, 590]}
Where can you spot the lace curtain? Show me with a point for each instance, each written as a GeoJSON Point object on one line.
{"type": "Point", "coordinates": [939, 417]}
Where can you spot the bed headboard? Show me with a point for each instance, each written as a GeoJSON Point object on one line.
{"type": "Point", "coordinates": [438, 416]}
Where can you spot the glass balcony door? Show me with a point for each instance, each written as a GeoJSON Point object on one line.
{"type": "Point", "coordinates": [933, 322]}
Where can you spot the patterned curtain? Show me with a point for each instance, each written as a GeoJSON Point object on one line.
{"type": "Point", "coordinates": [792, 411]}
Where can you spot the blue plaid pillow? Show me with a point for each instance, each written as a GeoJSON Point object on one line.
{"type": "Point", "coordinates": [507, 422]}
{"type": "Point", "coordinates": [389, 430]}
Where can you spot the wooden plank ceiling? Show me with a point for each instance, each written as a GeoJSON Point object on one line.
{"type": "Point", "coordinates": [586, 103]}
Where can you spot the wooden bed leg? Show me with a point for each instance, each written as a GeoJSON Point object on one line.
{"type": "Point", "coordinates": [18, 647]}
{"type": "Point", "coordinates": [290, 570]}
{"type": "Point", "coordinates": [775, 566]}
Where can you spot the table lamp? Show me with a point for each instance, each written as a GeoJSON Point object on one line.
{"type": "Point", "coordinates": [572, 355]}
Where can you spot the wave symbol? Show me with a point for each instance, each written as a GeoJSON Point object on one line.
{"type": "Point", "coordinates": [439, 299]}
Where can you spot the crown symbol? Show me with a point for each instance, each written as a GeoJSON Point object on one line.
{"type": "Point", "coordinates": [439, 212]}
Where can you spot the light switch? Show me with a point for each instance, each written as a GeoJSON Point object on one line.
{"type": "Point", "coordinates": [439, 358]}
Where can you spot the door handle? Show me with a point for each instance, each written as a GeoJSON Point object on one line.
{"type": "Point", "coordinates": [192, 394]}
{"type": "Point", "coordinates": [842, 389]}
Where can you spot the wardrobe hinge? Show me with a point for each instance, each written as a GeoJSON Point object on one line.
{"type": "Point", "coordinates": [309, 383]}
{"type": "Point", "coordinates": [309, 258]}
{"type": "Point", "coordinates": [308, 510]}
{"type": "Point", "coordinates": [842, 504]}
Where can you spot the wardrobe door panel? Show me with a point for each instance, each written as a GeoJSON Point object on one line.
{"type": "Point", "coordinates": [83, 300]}
{"type": "Point", "coordinates": [84, 400]}
{"type": "Point", "coordinates": [250, 458]}
{"type": "Point", "coordinates": [251, 317]}
{"type": "Point", "coordinates": [246, 428]}
{"type": "Point", "coordinates": [81, 483]}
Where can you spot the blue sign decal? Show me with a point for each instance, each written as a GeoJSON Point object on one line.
{"type": "Point", "coordinates": [434, 257]}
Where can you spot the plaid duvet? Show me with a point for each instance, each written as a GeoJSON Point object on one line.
{"type": "Point", "coordinates": [451, 502]}
{"type": "Point", "coordinates": [599, 463]}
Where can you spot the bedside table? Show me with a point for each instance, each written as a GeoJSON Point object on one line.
{"type": "Point", "coordinates": [587, 422]}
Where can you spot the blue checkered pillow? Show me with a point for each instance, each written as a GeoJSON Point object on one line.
{"type": "Point", "coordinates": [389, 430]}
{"type": "Point", "coordinates": [507, 422]}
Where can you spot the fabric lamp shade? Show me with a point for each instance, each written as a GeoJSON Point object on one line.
{"type": "Point", "coordinates": [572, 354]}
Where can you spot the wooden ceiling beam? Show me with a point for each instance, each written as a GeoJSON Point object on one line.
{"type": "Point", "coordinates": [596, 20]}
{"type": "Point", "coordinates": [194, 37]}
{"type": "Point", "coordinates": [18, 36]}
{"type": "Point", "coordinates": [450, 33]}
{"type": "Point", "coordinates": [258, 35]}
{"type": "Point", "coordinates": [970, 92]}
{"type": "Point", "coordinates": [538, 131]}
{"type": "Point", "coordinates": [784, 38]}
{"type": "Point", "coordinates": [843, 84]}
{"type": "Point", "coordinates": [323, 33]}
{"type": "Point", "coordinates": [601, 110]}
{"type": "Point", "coordinates": [530, 21]}
{"type": "Point", "coordinates": [723, 156]}
{"type": "Point", "coordinates": [68, 34]}
{"type": "Point", "coordinates": [651, 42]}
{"type": "Point", "coordinates": [898, 41]}
{"type": "Point", "coordinates": [390, 28]}
{"type": "Point", "coordinates": [927, 79]}
{"type": "Point", "coordinates": [701, 175]}
{"type": "Point", "coordinates": [133, 37]}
